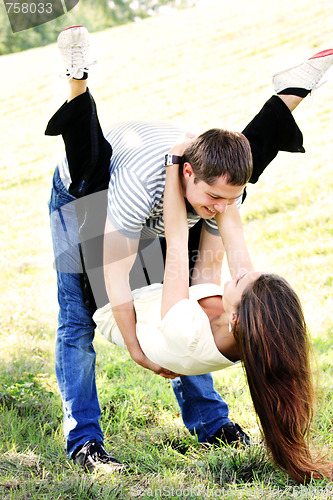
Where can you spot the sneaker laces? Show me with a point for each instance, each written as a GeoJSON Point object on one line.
{"type": "Point", "coordinates": [305, 70]}
{"type": "Point", "coordinates": [314, 90]}
{"type": "Point", "coordinates": [77, 55]}
{"type": "Point", "coordinates": [317, 86]}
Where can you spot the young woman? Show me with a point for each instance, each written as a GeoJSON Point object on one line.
{"type": "Point", "coordinates": [258, 320]}
{"type": "Point", "coordinates": [184, 329]}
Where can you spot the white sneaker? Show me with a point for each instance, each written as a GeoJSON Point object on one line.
{"type": "Point", "coordinates": [305, 75]}
{"type": "Point", "coordinates": [74, 45]}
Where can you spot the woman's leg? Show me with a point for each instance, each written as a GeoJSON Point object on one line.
{"type": "Point", "coordinates": [272, 130]}
{"type": "Point", "coordinates": [88, 152]}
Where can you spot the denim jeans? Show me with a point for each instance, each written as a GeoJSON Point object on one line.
{"type": "Point", "coordinates": [74, 353]}
{"type": "Point", "coordinates": [202, 408]}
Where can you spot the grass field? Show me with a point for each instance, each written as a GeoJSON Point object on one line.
{"type": "Point", "coordinates": [202, 67]}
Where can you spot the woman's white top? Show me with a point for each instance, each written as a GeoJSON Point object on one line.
{"type": "Point", "coordinates": [182, 341]}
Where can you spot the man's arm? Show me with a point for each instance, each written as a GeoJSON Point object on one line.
{"type": "Point", "coordinates": [232, 234]}
{"type": "Point", "coordinates": [208, 266]}
{"type": "Point", "coordinates": [119, 256]}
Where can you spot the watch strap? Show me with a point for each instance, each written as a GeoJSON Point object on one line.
{"type": "Point", "coordinates": [172, 160]}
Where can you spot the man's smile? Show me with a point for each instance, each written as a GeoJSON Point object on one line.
{"type": "Point", "coordinates": [211, 212]}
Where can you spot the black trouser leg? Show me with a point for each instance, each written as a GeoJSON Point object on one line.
{"type": "Point", "coordinates": [88, 152]}
{"type": "Point", "coordinates": [272, 130]}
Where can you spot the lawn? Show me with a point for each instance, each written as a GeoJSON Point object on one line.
{"type": "Point", "coordinates": [203, 67]}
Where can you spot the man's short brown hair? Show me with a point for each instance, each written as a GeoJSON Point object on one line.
{"type": "Point", "coordinates": [217, 153]}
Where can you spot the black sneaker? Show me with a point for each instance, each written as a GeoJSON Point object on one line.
{"type": "Point", "coordinates": [92, 455]}
{"type": "Point", "coordinates": [231, 434]}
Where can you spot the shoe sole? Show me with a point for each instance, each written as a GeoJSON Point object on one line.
{"type": "Point", "coordinates": [71, 27]}
{"type": "Point", "coordinates": [59, 39]}
{"type": "Point", "coordinates": [323, 53]}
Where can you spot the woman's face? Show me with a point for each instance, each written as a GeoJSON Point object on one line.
{"type": "Point", "coordinates": [234, 289]}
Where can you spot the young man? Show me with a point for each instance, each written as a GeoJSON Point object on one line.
{"type": "Point", "coordinates": [130, 188]}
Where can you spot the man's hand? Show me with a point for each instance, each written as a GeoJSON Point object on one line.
{"type": "Point", "coordinates": [125, 316]}
{"type": "Point", "coordinates": [142, 360]}
{"type": "Point", "coordinates": [168, 374]}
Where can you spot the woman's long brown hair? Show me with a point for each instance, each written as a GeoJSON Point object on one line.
{"type": "Point", "coordinates": [274, 344]}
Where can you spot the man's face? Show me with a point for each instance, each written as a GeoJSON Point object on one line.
{"type": "Point", "coordinates": [209, 199]}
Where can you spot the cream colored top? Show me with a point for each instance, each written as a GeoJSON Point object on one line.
{"type": "Point", "coordinates": [182, 341]}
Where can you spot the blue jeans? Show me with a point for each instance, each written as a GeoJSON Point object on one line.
{"type": "Point", "coordinates": [202, 408]}
{"type": "Point", "coordinates": [74, 352]}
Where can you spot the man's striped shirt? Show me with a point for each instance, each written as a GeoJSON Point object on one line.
{"type": "Point", "coordinates": [137, 180]}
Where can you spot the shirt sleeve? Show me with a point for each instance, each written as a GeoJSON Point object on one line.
{"type": "Point", "coordinates": [211, 227]}
{"type": "Point", "coordinates": [129, 202]}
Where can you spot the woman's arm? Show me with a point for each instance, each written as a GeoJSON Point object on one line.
{"type": "Point", "coordinates": [232, 234]}
{"type": "Point", "coordinates": [176, 272]}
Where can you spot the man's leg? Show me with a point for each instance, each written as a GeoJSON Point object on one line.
{"type": "Point", "coordinates": [203, 410]}
{"type": "Point", "coordinates": [75, 356]}
{"type": "Point", "coordinates": [74, 352]}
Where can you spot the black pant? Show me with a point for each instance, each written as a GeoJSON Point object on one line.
{"type": "Point", "coordinates": [272, 130]}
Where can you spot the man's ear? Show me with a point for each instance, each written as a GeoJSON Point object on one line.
{"type": "Point", "coordinates": [188, 170]}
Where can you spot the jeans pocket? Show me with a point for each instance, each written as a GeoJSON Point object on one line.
{"type": "Point", "coordinates": [59, 194]}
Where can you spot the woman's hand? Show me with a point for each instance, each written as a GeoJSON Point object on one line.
{"type": "Point", "coordinates": [179, 148]}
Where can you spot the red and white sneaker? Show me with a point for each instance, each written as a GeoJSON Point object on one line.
{"type": "Point", "coordinates": [305, 75]}
{"type": "Point", "coordinates": [74, 46]}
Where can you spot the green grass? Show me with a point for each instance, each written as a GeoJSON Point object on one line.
{"type": "Point", "coordinates": [199, 68]}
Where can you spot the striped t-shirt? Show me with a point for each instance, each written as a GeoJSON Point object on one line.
{"type": "Point", "coordinates": [135, 193]}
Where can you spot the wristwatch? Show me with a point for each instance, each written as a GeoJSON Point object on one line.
{"type": "Point", "coordinates": [172, 160]}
